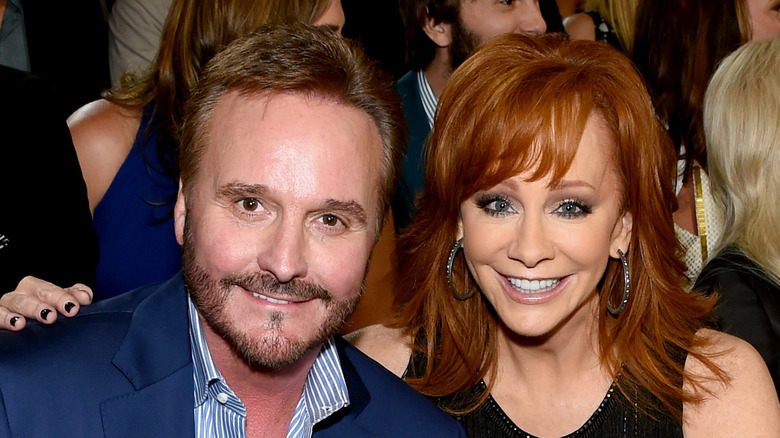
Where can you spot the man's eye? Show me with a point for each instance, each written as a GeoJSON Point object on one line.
{"type": "Point", "coordinates": [330, 220]}
{"type": "Point", "coordinates": [250, 204]}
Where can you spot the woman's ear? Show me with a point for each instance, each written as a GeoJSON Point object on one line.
{"type": "Point", "coordinates": [621, 235]}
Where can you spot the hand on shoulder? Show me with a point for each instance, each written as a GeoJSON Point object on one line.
{"type": "Point", "coordinates": [40, 300]}
{"type": "Point", "coordinates": [745, 405]}
{"type": "Point", "coordinates": [103, 134]}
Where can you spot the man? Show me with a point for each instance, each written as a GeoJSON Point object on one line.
{"type": "Point", "coordinates": [440, 34]}
{"type": "Point", "coordinates": [288, 160]}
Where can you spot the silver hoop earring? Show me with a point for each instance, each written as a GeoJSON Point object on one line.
{"type": "Point", "coordinates": [626, 287]}
{"type": "Point", "coordinates": [450, 261]}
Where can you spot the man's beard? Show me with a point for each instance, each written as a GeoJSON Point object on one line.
{"type": "Point", "coordinates": [464, 43]}
{"type": "Point", "coordinates": [271, 349]}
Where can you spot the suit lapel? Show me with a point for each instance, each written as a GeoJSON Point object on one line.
{"type": "Point", "coordinates": [155, 357]}
{"type": "Point", "coordinates": [345, 422]}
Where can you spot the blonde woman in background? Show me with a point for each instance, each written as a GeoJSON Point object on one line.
{"type": "Point", "coordinates": [678, 44]}
{"type": "Point", "coordinates": [741, 109]}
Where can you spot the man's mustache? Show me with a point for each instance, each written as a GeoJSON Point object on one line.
{"type": "Point", "coordinates": [265, 282]}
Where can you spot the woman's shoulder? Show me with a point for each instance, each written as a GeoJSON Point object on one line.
{"type": "Point", "coordinates": [104, 119]}
{"type": "Point", "coordinates": [744, 403]}
{"type": "Point", "coordinates": [103, 134]}
{"type": "Point", "coordinates": [580, 26]}
{"type": "Point", "coordinates": [388, 346]}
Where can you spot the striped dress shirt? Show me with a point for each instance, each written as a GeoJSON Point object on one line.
{"type": "Point", "coordinates": [219, 413]}
{"type": "Point", "coordinates": [427, 98]}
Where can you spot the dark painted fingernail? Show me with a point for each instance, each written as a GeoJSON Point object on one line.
{"type": "Point", "coordinates": [45, 313]}
{"type": "Point", "coordinates": [69, 306]}
{"type": "Point", "coordinates": [13, 321]}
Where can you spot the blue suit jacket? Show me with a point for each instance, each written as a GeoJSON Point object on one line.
{"type": "Point", "coordinates": [123, 368]}
{"type": "Point", "coordinates": [411, 181]}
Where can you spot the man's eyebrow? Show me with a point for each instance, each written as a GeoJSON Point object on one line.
{"type": "Point", "coordinates": [241, 190]}
{"type": "Point", "coordinates": [352, 208]}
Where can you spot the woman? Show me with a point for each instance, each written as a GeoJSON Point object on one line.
{"type": "Point", "coordinates": [610, 21]}
{"type": "Point", "coordinates": [127, 143]}
{"type": "Point", "coordinates": [539, 282]}
{"type": "Point", "coordinates": [677, 54]}
{"type": "Point", "coordinates": [741, 108]}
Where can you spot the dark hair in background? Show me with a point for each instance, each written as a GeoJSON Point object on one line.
{"type": "Point", "coordinates": [677, 46]}
{"type": "Point", "coordinates": [419, 48]}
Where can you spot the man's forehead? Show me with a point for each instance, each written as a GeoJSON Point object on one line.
{"type": "Point", "coordinates": [295, 143]}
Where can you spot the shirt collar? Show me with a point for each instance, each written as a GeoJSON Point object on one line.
{"type": "Point", "coordinates": [428, 98]}
{"type": "Point", "coordinates": [324, 392]}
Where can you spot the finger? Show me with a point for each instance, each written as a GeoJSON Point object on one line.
{"type": "Point", "coordinates": [55, 297]}
{"type": "Point", "coordinates": [71, 301]}
{"type": "Point", "coordinates": [11, 320]}
{"type": "Point", "coordinates": [82, 293]}
{"type": "Point", "coordinates": [28, 306]}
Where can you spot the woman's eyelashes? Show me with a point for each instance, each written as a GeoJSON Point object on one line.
{"type": "Point", "coordinates": [573, 208]}
{"type": "Point", "coordinates": [495, 205]}
{"type": "Point", "coordinates": [498, 205]}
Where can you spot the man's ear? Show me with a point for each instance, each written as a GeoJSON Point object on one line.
{"type": "Point", "coordinates": [440, 33]}
{"type": "Point", "coordinates": [621, 235]}
{"type": "Point", "coordinates": [180, 215]}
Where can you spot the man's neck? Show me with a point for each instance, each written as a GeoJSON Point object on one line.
{"type": "Point", "coordinates": [270, 395]}
{"type": "Point", "coordinates": [438, 70]}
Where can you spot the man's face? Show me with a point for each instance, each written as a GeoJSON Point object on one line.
{"type": "Point", "coordinates": [481, 20]}
{"type": "Point", "coordinates": [279, 222]}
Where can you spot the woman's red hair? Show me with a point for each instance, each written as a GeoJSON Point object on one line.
{"type": "Point", "coordinates": [521, 103]}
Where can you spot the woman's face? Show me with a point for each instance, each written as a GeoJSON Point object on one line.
{"type": "Point", "coordinates": [332, 17]}
{"type": "Point", "coordinates": [538, 252]}
{"type": "Point", "coordinates": [764, 18]}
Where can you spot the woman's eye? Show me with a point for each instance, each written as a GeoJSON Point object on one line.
{"type": "Point", "coordinates": [571, 208]}
{"type": "Point", "coordinates": [250, 204]}
{"type": "Point", "coordinates": [495, 205]}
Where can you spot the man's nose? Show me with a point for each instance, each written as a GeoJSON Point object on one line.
{"type": "Point", "coordinates": [531, 21]}
{"type": "Point", "coordinates": [284, 252]}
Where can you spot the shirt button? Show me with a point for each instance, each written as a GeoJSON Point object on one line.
{"type": "Point", "coordinates": [222, 398]}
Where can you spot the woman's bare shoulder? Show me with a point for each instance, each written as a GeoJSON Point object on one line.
{"type": "Point", "coordinates": [388, 346]}
{"type": "Point", "coordinates": [580, 26]}
{"type": "Point", "coordinates": [745, 404]}
{"type": "Point", "coordinates": [103, 134]}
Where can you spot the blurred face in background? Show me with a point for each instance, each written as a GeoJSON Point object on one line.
{"type": "Point", "coordinates": [333, 16]}
{"type": "Point", "coordinates": [763, 18]}
{"type": "Point", "coordinates": [481, 20]}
